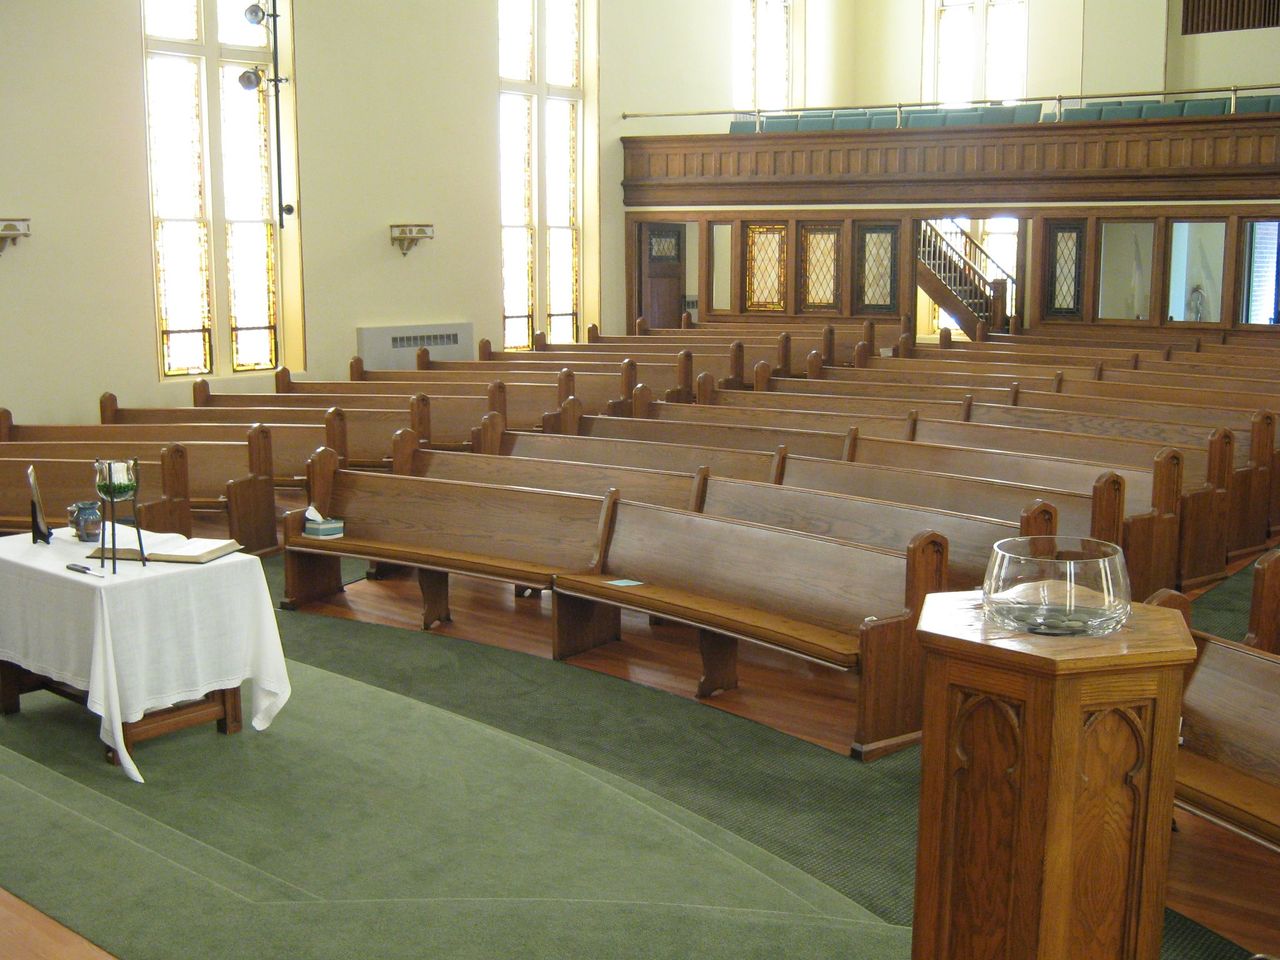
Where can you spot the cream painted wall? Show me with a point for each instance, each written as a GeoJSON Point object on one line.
{"type": "Point", "coordinates": [1216, 59]}
{"type": "Point", "coordinates": [397, 116]}
{"type": "Point", "coordinates": [76, 303]}
{"type": "Point", "coordinates": [888, 37]}
{"type": "Point", "coordinates": [1124, 43]}
{"type": "Point", "coordinates": [397, 122]}
{"type": "Point", "coordinates": [1055, 35]}
{"type": "Point", "coordinates": [830, 63]}
{"type": "Point", "coordinates": [663, 55]}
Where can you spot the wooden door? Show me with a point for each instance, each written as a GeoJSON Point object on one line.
{"type": "Point", "coordinates": [662, 273]}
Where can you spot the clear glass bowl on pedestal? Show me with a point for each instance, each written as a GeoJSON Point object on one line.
{"type": "Point", "coordinates": [1056, 586]}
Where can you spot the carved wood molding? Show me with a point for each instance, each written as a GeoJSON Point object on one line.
{"type": "Point", "coordinates": [1219, 158]}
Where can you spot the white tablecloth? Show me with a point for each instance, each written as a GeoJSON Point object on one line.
{"type": "Point", "coordinates": [143, 638]}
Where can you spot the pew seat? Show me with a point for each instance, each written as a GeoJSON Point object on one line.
{"type": "Point", "coordinates": [1228, 767]}
{"type": "Point", "coordinates": [440, 527]}
{"type": "Point", "coordinates": [848, 606]}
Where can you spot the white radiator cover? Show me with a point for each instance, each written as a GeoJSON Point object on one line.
{"type": "Point", "coordinates": [395, 347]}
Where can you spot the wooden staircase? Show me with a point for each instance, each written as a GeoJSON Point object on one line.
{"type": "Point", "coordinates": [958, 284]}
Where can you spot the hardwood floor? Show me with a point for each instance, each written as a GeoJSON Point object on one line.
{"type": "Point", "coordinates": [1216, 878]}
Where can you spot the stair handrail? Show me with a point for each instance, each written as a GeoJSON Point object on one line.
{"type": "Point", "coordinates": [987, 264]}
{"type": "Point", "coordinates": [939, 238]}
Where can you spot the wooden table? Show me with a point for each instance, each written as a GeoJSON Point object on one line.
{"type": "Point", "coordinates": [149, 649]}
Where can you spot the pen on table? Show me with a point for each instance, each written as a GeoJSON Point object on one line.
{"type": "Point", "coordinates": [81, 568]}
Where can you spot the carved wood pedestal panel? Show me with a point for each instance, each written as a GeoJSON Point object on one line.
{"type": "Point", "coordinates": [1047, 794]}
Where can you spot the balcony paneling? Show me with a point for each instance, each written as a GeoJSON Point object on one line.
{"type": "Point", "coordinates": [1218, 158]}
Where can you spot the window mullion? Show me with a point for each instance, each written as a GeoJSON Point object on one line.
{"type": "Point", "coordinates": [221, 293]}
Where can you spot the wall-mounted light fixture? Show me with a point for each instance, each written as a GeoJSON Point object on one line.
{"type": "Point", "coordinates": [253, 78]}
{"type": "Point", "coordinates": [11, 228]}
{"type": "Point", "coordinates": [406, 235]}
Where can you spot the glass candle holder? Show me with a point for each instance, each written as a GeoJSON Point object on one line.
{"type": "Point", "coordinates": [116, 479]}
{"type": "Point", "coordinates": [1056, 586]}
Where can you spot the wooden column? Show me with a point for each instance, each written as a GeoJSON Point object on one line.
{"type": "Point", "coordinates": [1047, 791]}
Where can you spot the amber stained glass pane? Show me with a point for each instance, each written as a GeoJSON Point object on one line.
{"type": "Point", "coordinates": [766, 266]}
{"type": "Point", "coordinates": [820, 267]}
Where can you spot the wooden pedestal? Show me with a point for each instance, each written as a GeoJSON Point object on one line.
{"type": "Point", "coordinates": [1047, 792]}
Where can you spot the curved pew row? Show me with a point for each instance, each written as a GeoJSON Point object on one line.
{"type": "Point", "coordinates": [231, 478]}
{"type": "Point", "coordinates": [738, 353]}
{"type": "Point", "coordinates": [364, 435]}
{"type": "Point", "coordinates": [672, 376]}
{"type": "Point", "coordinates": [162, 503]}
{"type": "Point", "coordinates": [1246, 397]}
{"type": "Point", "coordinates": [454, 409]}
{"type": "Point", "coordinates": [1146, 525]}
{"type": "Point", "coordinates": [1201, 491]}
{"type": "Point", "coordinates": [1228, 765]}
{"type": "Point", "coordinates": [838, 516]}
{"type": "Point", "coordinates": [1098, 512]}
{"type": "Point", "coordinates": [285, 447]}
{"type": "Point", "coordinates": [1242, 472]}
{"type": "Point", "coordinates": [860, 604]}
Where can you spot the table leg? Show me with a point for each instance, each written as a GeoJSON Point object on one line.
{"type": "Point", "coordinates": [10, 687]}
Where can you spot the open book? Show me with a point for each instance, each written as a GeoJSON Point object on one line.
{"type": "Point", "coordinates": [165, 547]}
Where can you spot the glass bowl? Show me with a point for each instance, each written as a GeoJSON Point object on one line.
{"type": "Point", "coordinates": [116, 479]}
{"type": "Point", "coordinates": [1056, 586]}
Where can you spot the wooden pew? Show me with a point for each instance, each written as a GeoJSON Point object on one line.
{"type": "Point", "coordinates": [673, 378]}
{"type": "Point", "coordinates": [662, 487]}
{"type": "Point", "coordinates": [840, 517]}
{"type": "Point", "coordinates": [1150, 530]}
{"type": "Point", "coordinates": [1228, 768]}
{"type": "Point", "coordinates": [1245, 473]}
{"type": "Point", "coordinates": [162, 502]}
{"type": "Point", "coordinates": [672, 564]}
{"type": "Point", "coordinates": [727, 364]}
{"type": "Point", "coordinates": [520, 403]}
{"type": "Point", "coordinates": [1254, 475]}
{"type": "Point", "coordinates": [367, 433]}
{"type": "Point", "coordinates": [791, 342]}
{"type": "Point", "coordinates": [778, 350]}
{"type": "Point", "coordinates": [1205, 487]}
{"type": "Point", "coordinates": [232, 478]}
{"type": "Point", "coordinates": [289, 445]}
{"type": "Point", "coordinates": [440, 527]}
{"type": "Point", "coordinates": [1098, 512]}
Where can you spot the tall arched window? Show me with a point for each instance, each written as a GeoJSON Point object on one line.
{"type": "Point", "coordinates": [214, 188]}
{"type": "Point", "coordinates": [980, 50]}
{"type": "Point", "coordinates": [762, 34]}
{"type": "Point", "coordinates": [540, 134]}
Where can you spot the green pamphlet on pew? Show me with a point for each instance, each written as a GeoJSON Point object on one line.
{"type": "Point", "coordinates": [625, 583]}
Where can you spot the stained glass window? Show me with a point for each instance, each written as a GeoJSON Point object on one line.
{"type": "Point", "coordinates": [762, 54]}
{"type": "Point", "coordinates": [766, 266]}
{"type": "Point", "coordinates": [878, 268]}
{"type": "Point", "coordinates": [980, 50]}
{"type": "Point", "coordinates": [1065, 244]}
{"type": "Point", "coordinates": [820, 266]}
{"type": "Point", "coordinates": [216, 242]}
{"type": "Point", "coordinates": [540, 105]}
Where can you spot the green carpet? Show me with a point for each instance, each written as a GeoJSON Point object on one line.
{"type": "Point", "coordinates": [581, 816]}
{"type": "Point", "coordinates": [1224, 610]}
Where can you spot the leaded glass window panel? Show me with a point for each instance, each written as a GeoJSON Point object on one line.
{"type": "Point", "coordinates": [540, 104]}
{"type": "Point", "coordinates": [515, 40]}
{"type": "Point", "coordinates": [878, 261]}
{"type": "Point", "coordinates": [563, 57]}
{"type": "Point", "coordinates": [171, 19]}
{"type": "Point", "coordinates": [766, 266]}
{"type": "Point", "coordinates": [236, 31]}
{"type": "Point", "coordinates": [820, 267]}
{"type": "Point", "coordinates": [217, 244]}
{"type": "Point", "coordinates": [562, 285]}
{"type": "Point", "coordinates": [517, 287]}
{"type": "Point", "coordinates": [1065, 245]}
